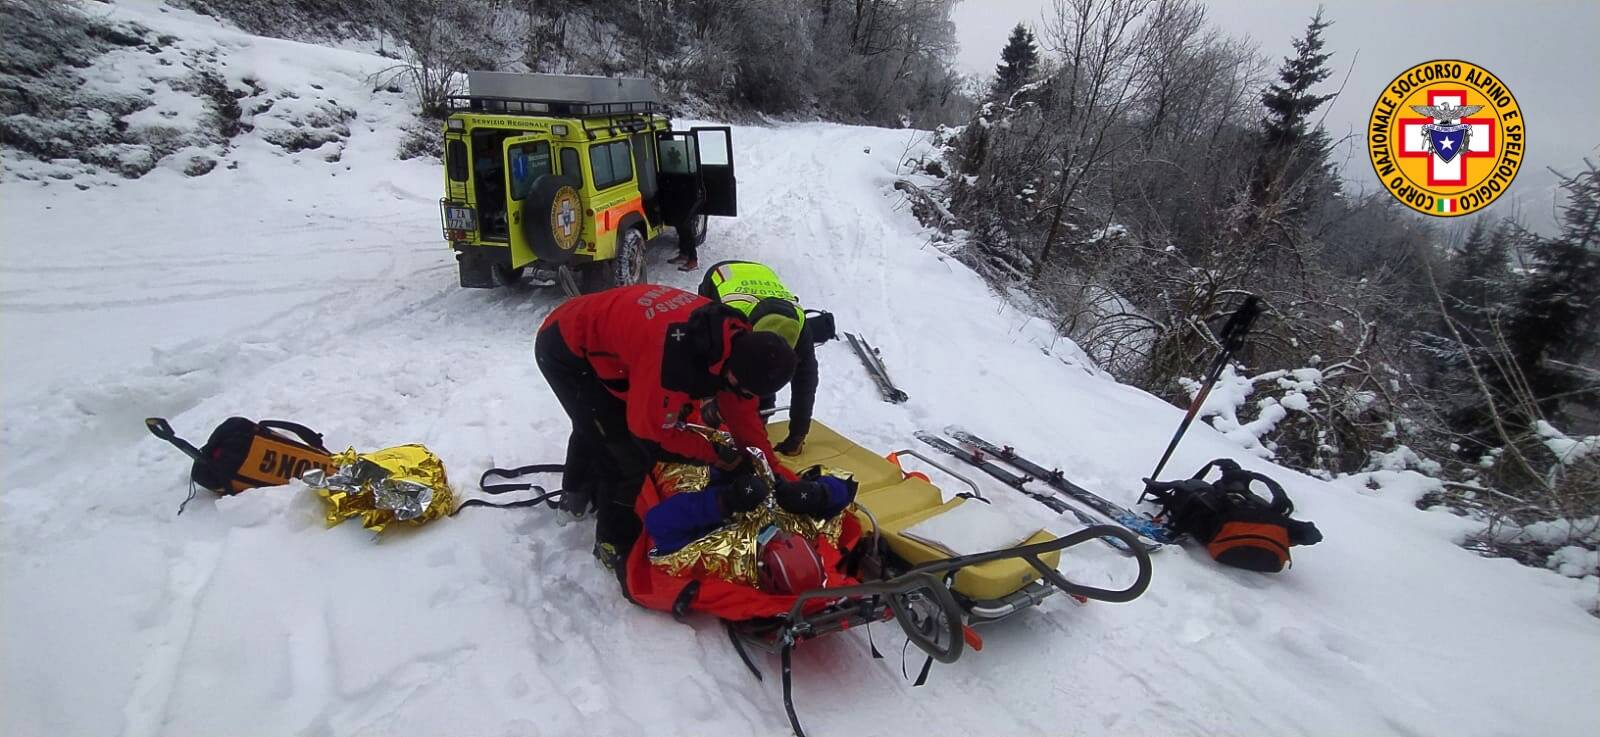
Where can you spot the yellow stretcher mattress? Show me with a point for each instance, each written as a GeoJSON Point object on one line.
{"type": "Point", "coordinates": [897, 502]}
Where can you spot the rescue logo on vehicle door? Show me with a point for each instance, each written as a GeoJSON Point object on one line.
{"type": "Point", "coordinates": [1446, 138]}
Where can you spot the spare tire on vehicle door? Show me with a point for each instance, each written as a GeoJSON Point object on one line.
{"type": "Point", "coordinates": [552, 218]}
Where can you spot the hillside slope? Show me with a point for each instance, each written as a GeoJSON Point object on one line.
{"type": "Point", "coordinates": [297, 287]}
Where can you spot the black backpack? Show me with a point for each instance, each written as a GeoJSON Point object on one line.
{"type": "Point", "coordinates": [1238, 527]}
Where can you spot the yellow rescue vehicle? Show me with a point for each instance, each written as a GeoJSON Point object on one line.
{"type": "Point", "coordinates": [573, 177]}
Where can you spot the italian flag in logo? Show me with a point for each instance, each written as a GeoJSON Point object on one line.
{"type": "Point", "coordinates": [1444, 204]}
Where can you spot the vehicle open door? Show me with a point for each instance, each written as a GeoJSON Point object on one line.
{"type": "Point", "coordinates": [714, 154]}
{"type": "Point", "coordinates": [527, 158]}
{"type": "Point", "coordinates": [678, 176]}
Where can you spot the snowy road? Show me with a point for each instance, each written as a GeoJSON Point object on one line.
{"type": "Point", "coordinates": [297, 288]}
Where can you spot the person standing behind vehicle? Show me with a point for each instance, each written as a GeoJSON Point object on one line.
{"type": "Point", "coordinates": [755, 291]}
{"type": "Point", "coordinates": [628, 365]}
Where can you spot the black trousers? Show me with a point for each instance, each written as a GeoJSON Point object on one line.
{"type": "Point", "coordinates": [603, 458]}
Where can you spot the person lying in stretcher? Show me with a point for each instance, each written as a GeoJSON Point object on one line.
{"type": "Point", "coordinates": [748, 547]}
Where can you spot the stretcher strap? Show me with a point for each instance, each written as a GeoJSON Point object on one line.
{"type": "Point", "coordinates": [541, 496]}
{"type": "Point", "coordinates": [511, 473]}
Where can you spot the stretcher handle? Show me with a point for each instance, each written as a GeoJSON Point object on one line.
{"type": "Point", "coordinates": [1030, 554]}
{"type": "Point", "coordinates": [925, 459]}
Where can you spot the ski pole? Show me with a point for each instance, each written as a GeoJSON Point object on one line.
{"type": "Point", "coordinates": [1232, 339]}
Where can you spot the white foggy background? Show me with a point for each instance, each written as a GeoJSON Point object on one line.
{"type": "Point", "coordinates": [1546, 53]}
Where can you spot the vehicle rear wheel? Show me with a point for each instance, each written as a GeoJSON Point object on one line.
{"type": "Point", "coordinates": [626, 268]}
{"type": "Point", "coordinates": [506, 276]}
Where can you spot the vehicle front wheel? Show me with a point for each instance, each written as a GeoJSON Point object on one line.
{"type": "Point", "coordinates": [626, 268]}
{"type": "Point", "coordinates": [694, 229]}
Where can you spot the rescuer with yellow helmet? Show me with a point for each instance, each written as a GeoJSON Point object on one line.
{"type": "Point", "coordinates": [755, 290]}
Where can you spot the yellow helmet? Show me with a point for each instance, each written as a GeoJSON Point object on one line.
{"type": "Point", "coordinates": [778, 316]}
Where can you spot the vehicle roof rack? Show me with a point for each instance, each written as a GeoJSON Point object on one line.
{"type": "Point", "coordinates": [546, 108]}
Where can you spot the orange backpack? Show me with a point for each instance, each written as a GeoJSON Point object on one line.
{"type": "Point", "coordinates": [1237, 526]}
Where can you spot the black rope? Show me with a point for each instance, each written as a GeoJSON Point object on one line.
{"type": "Point", "coordinates": [738, 646]}
{"type": "Point", "coordinates": [788, 692]}
{"type": "Point", "coordinates": [188, 499]}
{"type": "Point", "coordinates": [927, 665]}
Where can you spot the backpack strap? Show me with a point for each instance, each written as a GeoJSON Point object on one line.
{"type": "Point", "coordinates": [307, 435]}
{"type": "Point", "coordinates": [1235, 476]}
{"type": "Point", "coordinates": [1280, 499]}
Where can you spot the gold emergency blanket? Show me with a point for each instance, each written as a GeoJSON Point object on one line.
{"type": "Point", "coordinates": [405, 483]}
{"type": "Point", "coordinates": [730, 552]}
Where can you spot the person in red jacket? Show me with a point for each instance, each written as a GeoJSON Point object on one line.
{"type": "Point", "coordinates": [628, 365]}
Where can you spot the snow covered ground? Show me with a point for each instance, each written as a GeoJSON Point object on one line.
{"type": "Point", "coordinates": [319, 291]}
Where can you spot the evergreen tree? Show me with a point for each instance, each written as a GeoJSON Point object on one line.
{"type": "Point", "coordinates": [1475, 295]}
{"type": "Point", "coordinates": [1289, 146]}
{"type": "Point", "coordinates": [1554, 319]}
{"type": "Point", "coordinates": [1480, 273]}
{"type": "Point", "coordinates": [1018, 60]}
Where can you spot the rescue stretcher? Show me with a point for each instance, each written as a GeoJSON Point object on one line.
{"type": "Point", "coordinates": [887, 575]}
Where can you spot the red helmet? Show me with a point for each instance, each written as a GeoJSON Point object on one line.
{"type": "Point", "coordinates": [790, 565]}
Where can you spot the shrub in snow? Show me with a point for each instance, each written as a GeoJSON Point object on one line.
{"type": "Point", "coordinates": [422, 138]}
{"type": "Point", "coordinates": [1307, 418]}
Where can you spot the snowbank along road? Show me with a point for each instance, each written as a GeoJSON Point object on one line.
{"type": "Point", "coordinates": [294, 287]}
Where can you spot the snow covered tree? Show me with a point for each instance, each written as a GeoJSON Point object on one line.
{"type": "Point", "coordinates": [1290, 146]}
{"type": "Point", "coordinates": [1018, 61]}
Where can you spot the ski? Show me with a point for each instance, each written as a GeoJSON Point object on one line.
{"type": "Point", "coordinates": [1019, 483]}
{"type": "Point", "coordinates": [1138, 523]}
{"type": "Point", "coordinates": [874, 362]}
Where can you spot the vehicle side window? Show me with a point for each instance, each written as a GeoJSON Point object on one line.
{"type": "Point", "coordinates": [455, 159]}
{"type": "Point", "coordinates": [526, 163]}
{"type": "Point", "coordinates": [610, 163]}
{"type": "Point", "coordinates": [621, 161]}
{"type": "Point", "coordinates": [600, 166]}
{"type": "Point", "coordinates": [677, 155]}
{"type": "Point", "coordinates": [571, 165]}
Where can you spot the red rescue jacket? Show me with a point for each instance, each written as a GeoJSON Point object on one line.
{"type": "Point", "coordinates": [660, 349]}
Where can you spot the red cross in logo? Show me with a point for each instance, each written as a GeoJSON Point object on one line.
{"type": "Point", "coordinates": [1413, 141]}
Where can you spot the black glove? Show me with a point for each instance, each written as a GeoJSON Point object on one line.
{"type": "Point", "coordinates": [791, 446]}
{"type": "Point", "coordinates": [802, 497]}
{"type": "Point", "coordinates": [743, 494]}
{"type": "Point", "coordinates": [732, 460]}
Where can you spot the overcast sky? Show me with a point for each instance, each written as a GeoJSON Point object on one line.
{"type": "Point", "coordinates": [1547, 52]}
